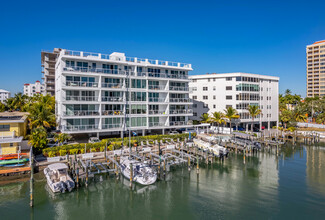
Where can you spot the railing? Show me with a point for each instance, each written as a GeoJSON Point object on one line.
{"type": "Point", "coordinates": [93, 70]}
{"type": "Point", "coordinates": [177, 123]}
{"type": "Point", "coordinates": [112, 112]}
{"type": "Point", "coordinates": [82, 98]}
{"type": "Point", "coordinates": [156, 87]}
{"type": "Point", "coordinates": [157, 75]}
{"type": "Point", "coordinates": [179, 100]}
{"type": "Point", "coordinates": [181, 111]}
{"type": "Point", "coordinates": [80, 127]}
{"type": "Point", "coordinates": [81, 113]}
{"type": "Point", "coordinates": [156, 112]}
{"type": "Point", "coordinates": [156, 99]}
{"type": "Point", "coordinates": [126, 59]}
{"type": "Point", "coordinates": [112, 85]}
{"type": "Point", "coordinates": [156, 124]}
{"type": "Point", "coordinates": [109, 126]}
{"type": "Point", "coordinates": [81, 84]}
{"type": "Point", "coordinates": [176, 88]}
{"type": "Point", "coordinates": [7, 134]}
{"type": "Point", "coordinates": [112, 99]}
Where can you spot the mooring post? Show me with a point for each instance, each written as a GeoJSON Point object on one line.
{"type": "Point", "coordinates": [86, 175]}
{"type": "Point", "coordinates": [159, 166]}
{"type": "Point", "coordinates": [31, 183]}
{"type": "Point", "coordinates": [189, 163]}
{"type": "Point", "coordinates": [164, 168]}
{"type": "Point", "coordinates": [105, 154]}
{"type": "Point", "coordinates": [77, 177]}
{"type": "Point", "coordinates": [197, 165]}
{"type": "Point", "coordinates": [131, 174]}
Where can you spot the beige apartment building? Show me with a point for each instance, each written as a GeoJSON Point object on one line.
{"type": "Point", "coordinates": [315, 54]}
{"type": "Point", "coordinates": [48, 59]}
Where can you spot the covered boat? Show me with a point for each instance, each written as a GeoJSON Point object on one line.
{"type": "Point", "coordinates": [142, 173]}
{"type": "Point", "coordinates": [57, 178]}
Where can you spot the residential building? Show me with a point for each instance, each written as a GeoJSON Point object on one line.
{"type": "Point", "coordinates": [315, 66]}
{"type": "Point", "coordinates": [4, 94]}
{"type": "Point", "coordinates": [48, 59]}
{"type": "Point", "coordinates": [108, 94]}
{"type": "Point", "coordinates": [216, 92]}
{"type": "Point", "coordinates": [32, 89]}
{"type": "Point", "coordinates": [13, 126]}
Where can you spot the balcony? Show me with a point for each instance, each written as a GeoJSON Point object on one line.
{"type": "Point", "coordinates": [82, 84]}
{"type": "Point", "coordinates": [94, 70]}
{"type": "Point", "coordinates": [177, 88]}
{"type": "Point", "coordinates": [156, 112]}
{"type": "Point", "coordinates": [112, 99]}
{"type": "Point", "coordinates": [156, 124]}
{"type": "Point", "coordinates": [156, 87]}
{"type": "Point", "coordinates": [177, 123]}
{"type": "Point", "coordinates": [181, 111]}
{"type": "Point", "coordinates": [81, 113]}
{"type": "Point", "coordinates": [187, 100]}
{"type": "Point", "coordinates": [112, 112]}
{"type": "Point", "coordinates": [112, 85]}
{"type": "Point", "coordinates": [111, 126]}
{"type": "Point", "coordinates": [157, 99]}
{"type": "Point", "coordinates": [80, 127]}
{"type": "Point", "coordinates": [82, 98]}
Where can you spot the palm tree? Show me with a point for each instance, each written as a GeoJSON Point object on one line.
{"type": "Point", "coordinates": [285, 117]}
{"type": "Point", "coordinates": [2, 107]}
{"type": "Point", "coordinates": [19, 101]}
{"type": "Point", "coordinates": [38, 138]}
{"type": "Point", "coordinates": [218, 118]}
{"type": "Point", "coordinates": [40, 115]}
{"type": "Point", "coordinates": [62, 138]}
{"type": "Point", "coordinates": [254, 111]}
{"type": "Point", "coordinates": [10, 104]}
{"type": "Point", "coordinates": [205, 118]}
{"type": "Point", "coordinates": [299, 115]}
{"type": "Point", "coordinates": [231, 113]}
{"type": "Point", "coordinates": [287, 92]}
{"type": "Point", "coordinates": [321, 118]}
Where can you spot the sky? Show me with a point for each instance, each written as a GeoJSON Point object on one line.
{"type": "Point", "coordinates": [263, 37]}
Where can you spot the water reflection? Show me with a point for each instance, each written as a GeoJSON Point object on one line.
{"type": "Point", "coordinates": [315, 169]}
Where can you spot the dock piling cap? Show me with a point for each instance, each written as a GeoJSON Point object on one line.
{"type": "Point", "coordinates": [58, 166]}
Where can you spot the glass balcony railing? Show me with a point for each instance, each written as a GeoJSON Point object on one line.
{"type": "Point", "coordinates": [177, 123]}
{"type": "Point", "coordinates": [82, 98]}
{"type": "Point", "coordinates": [80, 127]}
{"type": "Point", "coordinates": [181, 111]}
{"type": "Point", "coordinates": [94, 70]}
{"type": "Point", "coordinates": [156, 87]}
{"type": "Point", "coordinates": [156, 124]}
{"type": "Point", "coordinates": [156, 112]}
{"type": "Point", "coordinates": [177, 88]}
{"type": "Point", "coordinates": [112, 112]}
{"type": "Point", "coordinates": [81, 84]}
{"type": "Point", "coordinates": [81, 113]}
{"type": "Point", "coordinates": [156, 99]}
{"type": "Point", "coordinates": [180, 100]}
{"type": "Point", "coordinates": [112, 85]}
{"type": "Point", "coordinates": [112, 99]}
{"type": "Point", "coordinates": [110, 126]}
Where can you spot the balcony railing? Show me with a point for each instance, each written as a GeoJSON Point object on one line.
{"type": "Point", "coordinates": [110, 126]}
{"type": "Point", "coordinates": [112, 112]}
{"type": "Point", "coordinates": [157, 99]}
{"type": "Point", "coordinates": [81, 84]}
{"type": "Point", "coordinates": [82, 98]}
{"type": "Point", "coordinates": [156, 124]}
{"type": "Point", "coordinates": [81, 113]}
{"type": "Point", "coordinates": [112, 85]}
{"type": "Point", "coordinates": [179, 100]}
{"type": "Point", "coordinates": [7, 134]}
{"type": "Point", "coordinates": [181, 111]}
{"type": "Point", "coordinates": [177, 123]}
{"type": "Point", "coordinates": [80, 127]}
{"type": "Point", "coordinates": [156, 112]}
{"type": "Point", "coordinates": [94, 70]}
{"type": "Point", "coordinates": [177, 88]}
{"type": "Point", "coordinates": [112, 99]}
{"type": "Point", "coordinates": [156, 87]}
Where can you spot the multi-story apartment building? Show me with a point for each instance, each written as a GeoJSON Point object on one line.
{"type": "Point", "coordinates": [107, 94]}
{"type": "Point", "coordinates": [48, 60]}
{"type": "Point", "coordinates": [216, 92]}
{"type": "Point", "coordinates": [32, 89]}
{"type": "Point", "coordinates": [4, 94]}
{"type": "Point", "coordinates": [315, 54]}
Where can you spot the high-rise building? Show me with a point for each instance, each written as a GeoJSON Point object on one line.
{"type": "Point", "coordinates": [216, 92]}
{"type": "Point", "coordinates": [4, 94]}
{"type": "Point", "coordinates": [32, 89]}
{"type": "Point", "coordinates": [107, 94]}
{"type": "Point", "coordinates": [48, 60]}
{"type": "Point", "coordinates": [315, 54]}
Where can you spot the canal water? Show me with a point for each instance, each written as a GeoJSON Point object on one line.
{"type": "Point", "coordinates": [288, 186]}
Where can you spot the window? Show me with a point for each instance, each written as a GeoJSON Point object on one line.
{"type": "Point", "coordinates": [229, 79]}
{"type": "Point", "coordinates": [194, 105]}
{"type": "Point", "coordinates": [205, 88]}
{"type": "Point", "coordinates": [214, 88]}
{"type": "Point", "coordinates": [194, 88]}
{"type": "Point", "coordinates": [228, 106]}
{"type": "Point", "coordinates": [208, 80]}
{"type": "Point", "coordinates": [194, 113]}
{"type": "Point", "coordinates": [205, 105]}
{"type": "Point", "coordinates": [214, 106]}
{"type": "Point", "coordinates": [4, 127]}
{"type": "Point", "coordinates": [205, 97]}
{"type": "Point", "coordinates": [194, 80]}
{"type": "Point", "coordinates": [214, 97]}
{"type": "Point", "coordinates": [229, 97]}
{"type": "Point", "coordinates": [194, 97]}
{"type": "Point", "coordinates": [11, 144]}
{"type": "Point", "coordinates": [214, 80]}
{"type": "Point", "coordinates": [228, 87]}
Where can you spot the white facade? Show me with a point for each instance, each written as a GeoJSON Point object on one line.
{"type": "Point", "coordinates": [99, 93]}
{"type": "Point", "coordinates": [32, 89]}
{"type": "Point", "coordinates": [4, 94]}
{"type": "Point", "coordinates": [216, 92]}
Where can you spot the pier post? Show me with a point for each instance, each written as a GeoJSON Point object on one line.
{"type": "Point", "coordinates": [77, 177]}
{"type": "Point", "coordinates": [189, 163]}
{"type": "Point", "coordinates": [105, 153]}
{"type": "Point", "coordinates": [131, 174]}
{"type": "Point", "coordinates": [197, 166]}
{"type": "Point", "coordinates": [164, 168]}
{"type": "Point", "coordinates": [31, 184]}
{"type": "Point", "coordinates": [86, 175]}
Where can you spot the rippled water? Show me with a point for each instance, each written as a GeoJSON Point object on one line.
{"type": "Point", "coordinates": [288, 186]}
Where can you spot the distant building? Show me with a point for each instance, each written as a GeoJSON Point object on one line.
{"type": "Point", "coordinates": [48, 60]}
{"type": "Point", "coordinates": [216, 92]}
{"type": "Point", "coordinates": [13, 126]}
{"type": "Point", "coordinates": [4, 94]}
{"type": "Point", "coordinates": [315, 54]}
{"type": "Point", "coordinates": [32, 89]}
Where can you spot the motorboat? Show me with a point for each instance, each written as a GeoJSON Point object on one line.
{"type": "Point", "coordinates": [57, 178]}
{"type": "Point", "coordinates": [215, 149]}
{"type": "Point", "coordinates": [142, 172]}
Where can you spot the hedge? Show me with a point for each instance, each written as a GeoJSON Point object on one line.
{"type": "Point", "coordinates": [112, 143]}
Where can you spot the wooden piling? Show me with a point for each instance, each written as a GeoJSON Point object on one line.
{"type": "Point", "coordinates": [131, 174]}
{"type": "Point", "coordinates": [77, 177]}
{"type": "Point", "coordinates": [86, 175]}
{"type": "Point", "coordinates": [31, 183]}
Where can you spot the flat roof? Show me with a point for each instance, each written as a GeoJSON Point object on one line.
{"type": "Point", "coordinates": [10, 117]}
{"type": "Point", "coordinates": [223, 75]}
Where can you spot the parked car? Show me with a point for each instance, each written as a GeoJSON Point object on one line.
{"type": "Point", "coordinates": [256, 129]}
{"type": "Point", "coordinates": [173, 132]}
{"type": "Point", "coordinates": [93, 140]}
{"type": "Point", "coordinates": [238, 129]}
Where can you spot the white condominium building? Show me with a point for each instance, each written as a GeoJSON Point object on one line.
{"type": "Point", "coordinates": [32, 89]}
{"type": "Point", "coordinates": [107, 94]}
{"type": "Point", "coordinates": [4, 94]}
{"type": "Point", "coordinates": [216, 92]}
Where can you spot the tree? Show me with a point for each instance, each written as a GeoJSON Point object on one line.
{"type": "Point", "coordinates": [38, 138]}
{"type": "Point", "coordinates": [287, 92]}
{"type": "Point", "coordinates": [62, 138]}
{"type": "Point", "coordinates": [254, 111]}
{"type": "Point", "coordinates": [19, 100]}
{"type": "Point", "coordinates": [218, 118]}
{"type": "Point", "coordinates": [285, 117]}
{"type": "Point", "coordinates": [205, 118]}
{"type": "Point", "coordinates": [40, 114]}
{"type": "Point", "coordinates": [2, 107]}
{"type": "Point", "coordinates": [299, 115]}
{"type": "Point", "coordinates": [321, 118]}
{"type": "Point", "coordinates": [231, 113]}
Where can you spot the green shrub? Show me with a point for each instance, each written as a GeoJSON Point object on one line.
{"type": "Point", "coordinates": [62, 152]}
{"type": "Point", "coordinates": [52, 154]}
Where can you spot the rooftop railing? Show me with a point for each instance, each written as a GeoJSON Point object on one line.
{"type": "Point", "coordinates": [126, 59]}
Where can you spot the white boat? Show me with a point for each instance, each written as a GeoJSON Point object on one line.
{"type": "Point", "coordinates": [216, 149]}
{"type": "Point", "coordinates": [142, 173]}
{"type": "Point", "coordinates": [57, 178]}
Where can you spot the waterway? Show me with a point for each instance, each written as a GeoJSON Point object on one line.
{"type": "Point", "coordinates": [288, 186]}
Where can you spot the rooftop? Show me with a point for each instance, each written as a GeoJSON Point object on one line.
{"type": "Point", "coordinates": [222, 75]}
{"type": "Point", "coordinates": [318, 42]}
{"type": "Point", "coordinates": [7, 117]}
{"type": "Point", "coordinates": [2, 90]}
